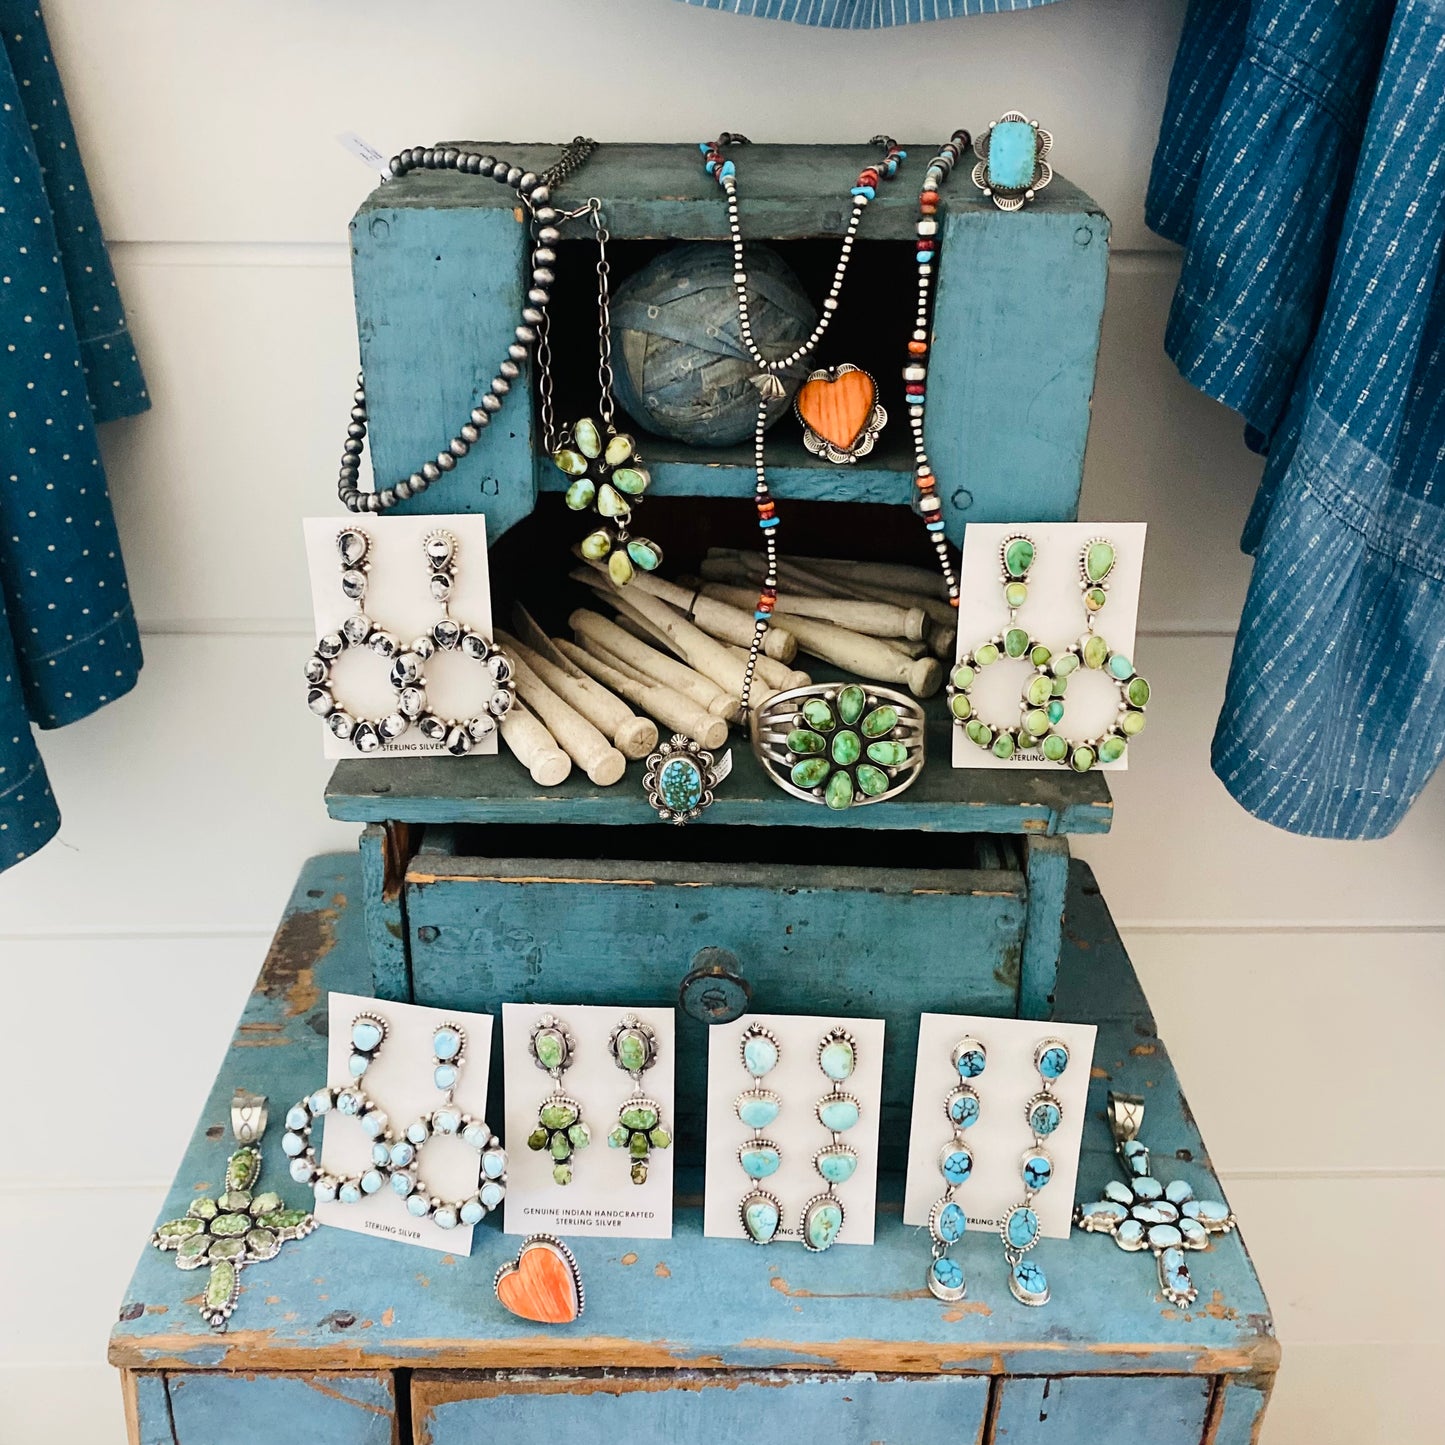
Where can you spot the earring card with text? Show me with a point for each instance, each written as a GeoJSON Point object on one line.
{"type": "Point", "coordinates": [1054, 615]}
{"type": "Point", "coordinates": [601, 1198]}
{"type": "Point", "coordinates": [399, 1082]}
{"type": "Point", "coordinates": [1001, 1134]}
{"type": "Point", "coordinates": [799, 1083]}
{"type": "Point", "coordinates": [398, 599]}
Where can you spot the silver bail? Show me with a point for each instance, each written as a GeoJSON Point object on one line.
{"type": "Point", "coordinates": [248, 1116]}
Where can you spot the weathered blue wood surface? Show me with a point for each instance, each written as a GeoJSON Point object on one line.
{"type": "Point", "coordinates": [689, 1405]}
{"type": "Point", "coordinates": [943, 800]}
{"type": "Point", "coordinates": [321, 1409]}
{"type": "Point", "coordinates": [1046, 866]}
{"type": "Point", "coordinates": [342, 1301]}
{"type": "Point", "coordinates": [868, 942]}
{"type": "Point", "coordinates": [437, 261]}
{"type": "Point", "coordinates": [385, 849]}
{"type": "Point", "coordinates": [1239, 1408]}
{"type": "Point", "coordinates": [147, 1408]}
{"type": "Point", "coordinates": [1083, 1410]}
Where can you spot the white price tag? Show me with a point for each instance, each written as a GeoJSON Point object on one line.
{"type": "Point", "coordinates": [723, 766]}
{"type": "Point", "coordinates": [365, 152]}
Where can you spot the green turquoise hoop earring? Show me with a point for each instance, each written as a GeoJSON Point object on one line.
{"type": "Point", "coordinates": [1096, 562]}
{"type": "Point", "coordinates": [1016, 557]}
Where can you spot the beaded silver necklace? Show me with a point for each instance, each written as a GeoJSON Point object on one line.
{"type": "Point", "coordinates": [534, 191]}
{"type": "Point", "coordinates": [767, 380]}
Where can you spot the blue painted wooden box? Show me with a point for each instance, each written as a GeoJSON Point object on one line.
{"type": "Point", "coordinates": [347, 1340]}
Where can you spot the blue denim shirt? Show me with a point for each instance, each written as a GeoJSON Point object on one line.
{"type": "Point", "coordinates": [68, 639]}
{"type": "Point", "coordinates": [864, 14]}
{"type": "Point", "coordinates": [1301, 164]}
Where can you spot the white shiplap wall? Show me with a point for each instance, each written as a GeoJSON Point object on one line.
{"type": "Point", "coordinates": [1299, 983]}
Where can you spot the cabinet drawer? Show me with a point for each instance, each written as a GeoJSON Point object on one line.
{"type": "Point", "coordinates": [211, 1408]}
{"type": "Point", "coordinates": [683, 1406]}
{"type": "Point", "coordinates": [858, 927]}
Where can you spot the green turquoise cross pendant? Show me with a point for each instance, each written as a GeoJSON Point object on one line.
{"type": "Point", "coordinates": [238, 1228]}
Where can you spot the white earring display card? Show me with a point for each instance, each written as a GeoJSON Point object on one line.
{"type": "Point", "coordinates": [380, 603]}
{"type": "Point", "coordinates": [775, 1169]}
{"type": "Point", "coordinates": [1000, 1134]}
{"type": "Point", "coordinates": [619, 1181]}
{"type": "Point", "coordinates": [1067, 574]}
{"type": "Point", "coordinates": [400, 1082]}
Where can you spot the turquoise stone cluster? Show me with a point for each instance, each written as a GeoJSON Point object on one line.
{"type": "Point", "coordinates": [639, 1130]}
{"type": "Point", "coordinates": [606, 476]}
{"type": "Point", "coordinates": [560, 1132]}
{"type": "Point", "coordinates": [842, 747]}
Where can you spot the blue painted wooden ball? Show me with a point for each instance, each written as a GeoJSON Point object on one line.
{"type": "Point", "coordinates": [680, 367]}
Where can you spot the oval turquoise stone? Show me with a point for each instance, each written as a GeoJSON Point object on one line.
{"type": "Point", "coordinates": [1038, 1169]}
{"type": "Point", "coordinates": [1029, 1281]}
{"type": "Point", "coordinates": [596, 545]}
{"type": "Point", "coordinates": [759, 1160]}
{"type": "Point", "coordinates": [805, 741]}
{"type": "Point", "coordinates": [1044, 1117]}
{"type": "Point", "coordinates": [587, 437]}
{"type": "Point", "coordinates": [948, 1272]}
{"type": "Point", "coordinates": [810, 772]}
{"type": "Point", "coordinates": [871, 781]}
{"type": "Point", "coordinates": [365, 1035]}
{"type": "Point", "coordinates": [837, 1165]}
{"type": "Point", "coordinates": [1036, 722]}
{"type": "Point", "coordinates": [1065, 663]}
{"type": "Point", "coordinates": [1003, 746]}
{"type": "Point", "coordinates": [1165, 1236]}
{"type": "Point", "coordinates": [1148, 1187]}
{"type": "Point", "coordinates": [1120, 667]}
{"type": "Point", "coordinates": [851, 702]}
{"type": "Point", "coordinates": [847, 748]}
{"type": "Point", "coordinates": [1022, 1227]}
{"type": "Point", "coordinates": [1055, 711]}
{"type": "Point", "coordinates": [970, 1061]}
{"type": "Point", "coordinates": [757, 1110]}
{"type": "Point", "coordinates": [1016, 642]}
{"type": "Point", "coordinates": [950, 1223]}
{"type": "Point", "coordinates": [618, 449]}
{"type": "Point", "coordinates": [960, 706]}
{"type": "Point", "coordinates": [1099, 561]}
{"type": "Point", "coordinates": [1132, 723]}
{"type": "Point", "coordinates": [1038, 689]}
{"type": "Point", "coordinates": [570, 461]}
{"type": "Point", "coordinates": [963, 675]}
{"type": "Point", "coordinates": [1056, 748]}
{"type": "Point", "coordinates": [1096, 650]}
{"type": "Point", "coordinates": [446, 1043]}
{"type": "Point", "coordinates": [444, 1076]}
{"type": "Point", "coordinates": [836, 1059]}
{"type": "Point", "coordinates": [647, 555]}
{"type": "Point", "coordinates": [1095, 598]}
{"type": "Point", "coordinates": [839, 794]}
{"type": "Point", "coordinates": [679, 784]}
{"type": "Point", "coordinates": [760, 1055]}
{"type": "Point", "coordinates": [838, 1115]}
{"type": "Point", "coordinates": [1082, 759]}
{"type": "Point", "coordinates": [821, 1223]}
{"type": "Point", "coordinates": [956, 1165]}
{"type": "Point", "coordinates": [1018, 556]}
{"type": "Point", "coordinates": [986, 655]}
{"type": "Point", "coordinates": [632, 480]}
{"type": "Point", "coordinates": [581, 494]}
{"type": "Point", "coordinates": [979, 732]}
{"type": "Point", "coordinates": [1053, 1061]}
{"type": "Point", "coordinates": [1137, 692]}
{"type": "Point", "coordinates": [888, 754]}
{"type": "Point", "coordinates": [1040, 655]}
{"type": "Point", "coordinates": [817, 712]}
{"type": "Point", "coordinates": [632, 1050]}
{"type": "Point", "coordinates": [1015, 594]}
{"type": "Point", "coordinates": [880, 722]}
{"type": "Point", "coordinates": [760, 1219]}
{"type": "Point", "coordinates": [963, 1108]}
{"type": "Point", "coordinates": [638, 1117]}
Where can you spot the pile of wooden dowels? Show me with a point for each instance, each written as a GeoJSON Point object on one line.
{"type": "Point", "coordinates": [677, 652]}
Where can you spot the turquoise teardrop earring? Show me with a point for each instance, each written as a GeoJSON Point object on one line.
{"type": "Point", "coordinates": [1044, 1114]}
{"type": "Point", "coordinates": [947, 1220]}
{"type": "Point", "coordinates": [759, 1211]}
{"type": "Point", "coordinates": [837, 1112]}
{"type": "Point", "coordinates": [1016, 559]}
{"type": "Point", "coordinates": [1097, 561]}
{"type": "Point", "coordinates": [640, 1129]}
{"type": "Point", "coordinates": [560, 1131]}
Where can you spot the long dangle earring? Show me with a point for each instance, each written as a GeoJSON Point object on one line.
{"type": "Point", "coordinates": [560, 1131]}
{"type": "Point", "coordinates": [366, 735]}
{"type": "Point", "coordinates": [534, 195]}
{"type": "Point", "coordinates": [759, 1211]}
{"type": "Point", "coordinates": [449, 1051]}
{"type": "Point", "coordinates": [1040, 710]}
{"type": "Point", "coordinates": [640, 1129]}
{"type": "Point", "coordinates": [767, 380]}
{"type": "Point", "coordinates": [947, 1220]}
{"type": "Point", "coordinates": [1021, 1224]}
{"type": "Point", "coordinates": [1096, 563]}
{"type": "Point", "coordinates": [836, 1162]}
{"type": "Point", "coordinates": [915, 367]}
{"type": "Point", "coordinates": [606, 474]}
{"type": "Point", "coordinates": [457, 735]}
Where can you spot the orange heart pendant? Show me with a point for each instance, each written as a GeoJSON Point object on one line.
{"type": "Point", "coordinates": [543, 1283]}
{"type": "Point", "coordinates": [840, 413]}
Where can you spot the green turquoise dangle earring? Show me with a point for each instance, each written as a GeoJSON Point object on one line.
{"type": "Point", "coordinates": [1016, 559]}
{"type": "Point", "coordinates": [1097, 561]}
{"type": "Point", "coordinates": [605, 474]}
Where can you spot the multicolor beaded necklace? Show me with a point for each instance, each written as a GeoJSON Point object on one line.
{"type": "Point", "coordinates": [915, 369]}
{"type": "Point", "coordinates": [767, 380]}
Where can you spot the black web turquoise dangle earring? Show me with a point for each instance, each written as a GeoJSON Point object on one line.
{"type": "Point", "coordinates": [1027, 1281]}
{"type": "Point", "coordinates": [1016, 559]}
{"type": "Point", "coordinates": [947, 1220]}
{"type": "Point", "coordinates": [606, 474]}
{"type": "Point", "coordinates": [1096, 563]}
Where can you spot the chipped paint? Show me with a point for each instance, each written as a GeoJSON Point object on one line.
{"type": "Point", "coordinates": [662, 1271]}
{"type": "Point", "coordinates": [628, 1260]}
{"type": "Point", "coordinates": [304, 938]}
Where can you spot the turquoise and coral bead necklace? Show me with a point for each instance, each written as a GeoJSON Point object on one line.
{"type": "Point", "coordinates": [915, 368]}
{"type": "Point", "coordinates": [767, 379]}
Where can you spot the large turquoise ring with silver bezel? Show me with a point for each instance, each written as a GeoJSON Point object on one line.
{"type": "Point", "coordinates": [680, 779]}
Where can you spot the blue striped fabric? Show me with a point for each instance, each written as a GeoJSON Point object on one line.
{"type": "Point", "coordinates": [1302, 166]}
{"type": "Point", "coordinates": [864, 14]}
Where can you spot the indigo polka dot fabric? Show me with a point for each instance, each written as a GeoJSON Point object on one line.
{"type": "Point", "coordinates": [68, 639]}
{"type": "Point", "coordinates": [864, 14]}
{"type": "Point", "coordinates": [1301, 165]}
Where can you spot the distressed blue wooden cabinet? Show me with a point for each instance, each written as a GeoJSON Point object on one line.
{"type": "Point", "coordinates": [343, 1338]}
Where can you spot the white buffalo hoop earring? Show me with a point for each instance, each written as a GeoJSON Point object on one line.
{"type": "Point", "coordinates": [365, 734]}
{"type": "Point", "coordinates": [449, 1046]}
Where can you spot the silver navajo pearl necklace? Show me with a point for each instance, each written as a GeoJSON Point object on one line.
{"type": "Point", "coordinates": [534, 191]}
{"type": "Point", "coordinates": [767, 380]}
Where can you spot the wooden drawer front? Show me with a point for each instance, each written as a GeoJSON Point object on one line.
{"type": "Point", "coordinates": [324, 1409]}
{"type": "Point", "coordinates": [1097, 1409]}
{"type": "Point", "coordinates": [868, 942]}
{"type": "Point", "coordinates": [687, 1406]}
